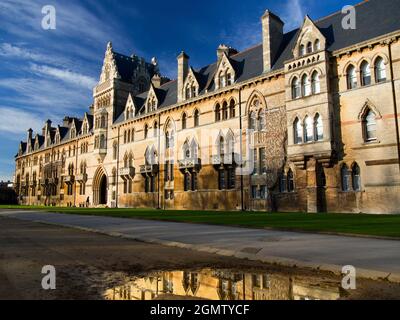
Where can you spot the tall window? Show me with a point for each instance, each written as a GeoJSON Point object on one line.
{"type": "Point", "coordinates": [315, 83]}
{"type": "Point", "coordinates": [351, 77]}
{"type": "Point", "coordinates": [380, 70]}
{"type": "Point", "coordinates": [290, 181]}
{"type": "Point", "coordinates": [306, 86]}
{"type": "Point", "coordinates": [317, 45]}
{"type": "Point", "coordinates": [298, 131]}
{"type": "Point", "coordinates": [146, 131]}
{"type": "Point", "coordinates": [365, 74]}
{"type": "Point", "coordinates": [309, 129]}
{"type": "Point", "coordinates": [225, 111]}
{"type": "Point", "coordinates": [295, 88]}
{"type": "Point", "coordinates": [262, 163]}
{"type": "Point", "coordinates": [309, 47]}
{"type": "Point", "coordinates": [221, 179]}
{"type": "Point", "coordinates": [187, 181]}
{"type": "Point", "coordinates": [155, 128]}
{"type": "Point", "coordinates": [252, 121]}
{"type": "Point", "coordinates": [217, 113]}
{"type": "Point", "coordinates": [184, 121]}
{"type": "Point", "coordinates": [356, 178]}
{"type": "Point", "coordinates": [318, 128]}
{"type": "Point", "coordinates": [369, 126]}
{"type": "Point", "coordinates": [232, 109]}
{"type": "Point", "coordinates": [221, 146]}
{"type": "Point", "coordinates": [345, 176]}
{"type": "Point", "coordinates": [282, 181]}
{"type": "Point", "coordinates": [196, 118]}
{"type": "Point", "coordinates": [115, 150]}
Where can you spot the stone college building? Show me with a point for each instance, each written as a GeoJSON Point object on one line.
{"type": "Point", "coordinates": [305, 121]}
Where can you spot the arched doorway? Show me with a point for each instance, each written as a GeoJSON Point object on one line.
{"type": "Point", "coordinates": [103, 190]}
{"type": "Point", "coordinates": [100, 187]}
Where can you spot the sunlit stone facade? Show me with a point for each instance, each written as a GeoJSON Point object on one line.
{"type": "Point", "coordinates": [305, 121]}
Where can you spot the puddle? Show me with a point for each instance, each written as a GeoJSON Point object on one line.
{"type": "Point", "coordinates": [214, 284]}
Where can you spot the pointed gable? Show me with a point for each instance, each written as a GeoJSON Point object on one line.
{"type": "Point", "coordinates": [309, 39]}
{"type": "Point", "coordinates": [130, 108]}
{"type": "Point", "coordinates": [152, 101]}
{"type": "Point", "coordinates": [192, 84]}
{"type": "Point", "coordinates": [225, 73]}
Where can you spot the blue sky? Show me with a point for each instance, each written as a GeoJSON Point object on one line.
{"type": "Point", "coordinates": [50, 73]}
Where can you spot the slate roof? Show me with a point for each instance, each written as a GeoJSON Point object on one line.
{"type": "Point", "coordinates": [128, 65]}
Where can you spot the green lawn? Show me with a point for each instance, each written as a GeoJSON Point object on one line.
{"type": "Point", "coordinates": [361, 224]}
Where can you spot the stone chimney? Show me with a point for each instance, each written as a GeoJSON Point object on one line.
{"type": "Point", "coordinates": [29, 139]}
{"type": "Point", "coordinates": [156, 81]}
{"type": "Point", "coordinates": [183, 69]}
{"type": "Point", "coordinates": [225, 49]}
{"type": "Point", "coordinates": [272, 31]}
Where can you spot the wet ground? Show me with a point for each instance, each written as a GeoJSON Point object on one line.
{"type": "Point", "coordinates": [93, 266]}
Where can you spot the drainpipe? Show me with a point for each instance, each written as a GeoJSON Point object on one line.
{"type": "Point", "coordinates": [117, 173]}
{"type": "Point", "coordinates": [241, 150]}
{"type": "Point", "coordinates": [159, 157]}
{"type": "Point", "coordinates": [76, 170]}
{"type": "Point", "coordinates": [396, 119]}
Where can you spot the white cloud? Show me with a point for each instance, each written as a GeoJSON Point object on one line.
{"type": "Point", "coordinates": [294, 13]}
{"type": "Point", "coordinates": [16, 121]}
{"type": "Point", "coordinates": [73, 78]}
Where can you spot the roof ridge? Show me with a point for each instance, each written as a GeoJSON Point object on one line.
{"type": "Point", "coordinates": [339, 12]}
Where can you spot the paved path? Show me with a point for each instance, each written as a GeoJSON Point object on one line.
{"type": "Point", "coordinates": [373, 258]}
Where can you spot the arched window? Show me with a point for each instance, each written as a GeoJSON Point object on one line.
{"type": "Point", "coordinates": [315, 83]}
{"type": "Point", "coordinates": [380, 70]}
{"type": "Point", "coordinates": [302, 50]}
{"type": "Point", "coordinates": [306, 86]}
{"type": "Point", "coordinates": [345, 177]}
{"type": "Point", "coordinates": [196, 117]}
{"type": "Point", "coordinates": [167, 144]}
{"type": "Point", "coordinates": [146, 131]}
{"type": "Point", "coordinates": [295, 88]}
{"type": "Point", "coordinates": [186, 151]}
{"type": "Point", "coordinates": [102, 142]}
{"type": "Point", "coordinates": [365, 74]}
{"type": "Point", "coordinates": [229, 79]}
{"type": "Point", "coordinates": [187, 181]}
{"type": "Point", "coordinates": [133, 135]}
{"type": "Point", "coordinates": [217, 113]}
{"type": "Point", "coordinates": [351, 77]}
{"type": "Point", "coordinates": [130, 160]}
{"type": "Point", "coordinates": [309, 129]}
{"type": "Point", "coordinates": [232, 109]}
{"type": "Point", "coordinates": [261, 120]}
{"type": "Point", "coordinates": [125, 137]}
{"type": "Point", "coordinates": [222, 79]}
{"type": "Point", "coordinates": [225, 111]}
{"type": "Point", "coordinates": [221, 146]}
{"type": "Point", "coordinates": [356, 178]}
{"type": "Point", "coordinates": [184, 121]}
{"type": "Point", "coordinates": [298, 131]}
{"type": "Point", "coordinates": [282, 181]}
{"type": "Point", "coordinates": [290, 181]}
{"type": "Point", "coordinates": [309, 47]}
{"type": "Point", "coordinates": [369, 126]}
{"type": "Point", "coordinates": [155, 128]}
{"type": "Point", "coordinates": [252, 121]}
{"type": "Point", "coordinates": [317, 45]}
{"type": "Point", "coordinates": [319, 128]}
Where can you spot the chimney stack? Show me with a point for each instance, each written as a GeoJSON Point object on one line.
{"type": "Point", "coordinates": [29, 139]}
{"type": "Point", "coordinates": [225, 49]}
{"type": "Point", "coordinates": [272, 31]}
{"type": "Point", "coordinates": [183, 69]}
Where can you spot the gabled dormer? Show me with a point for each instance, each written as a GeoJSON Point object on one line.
{"type": "Point", "coordinates": [130, 108]}
{"type": "Point", "coordinates": [72, 132]}
{"type": "Point", "coordinates": [86, 124]}
{"type": "Point", "coordinates": [309, 40]}
{"type": "Point", "coordinates": [36, 145]}
{"type": "Point", "coordinates": [152, 100]}
{"type": "Point", "coordinates": [225, 74]}
{"type": "Point", "coordinates": [191, 85]}
{"type": "Point", "coordinates": [58, 135]}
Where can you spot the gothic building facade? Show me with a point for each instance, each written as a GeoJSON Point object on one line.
{"type": "Point", "coordinates": [305, 121]}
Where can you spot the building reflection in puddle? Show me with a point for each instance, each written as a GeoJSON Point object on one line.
{"type": "Point", "coordinates": [224, 285]}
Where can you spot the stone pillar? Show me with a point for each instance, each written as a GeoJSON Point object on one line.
{"type": "Point", "coordinates": [312, 197]}
{"type": "Point", "coordinates": [183, 69]}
